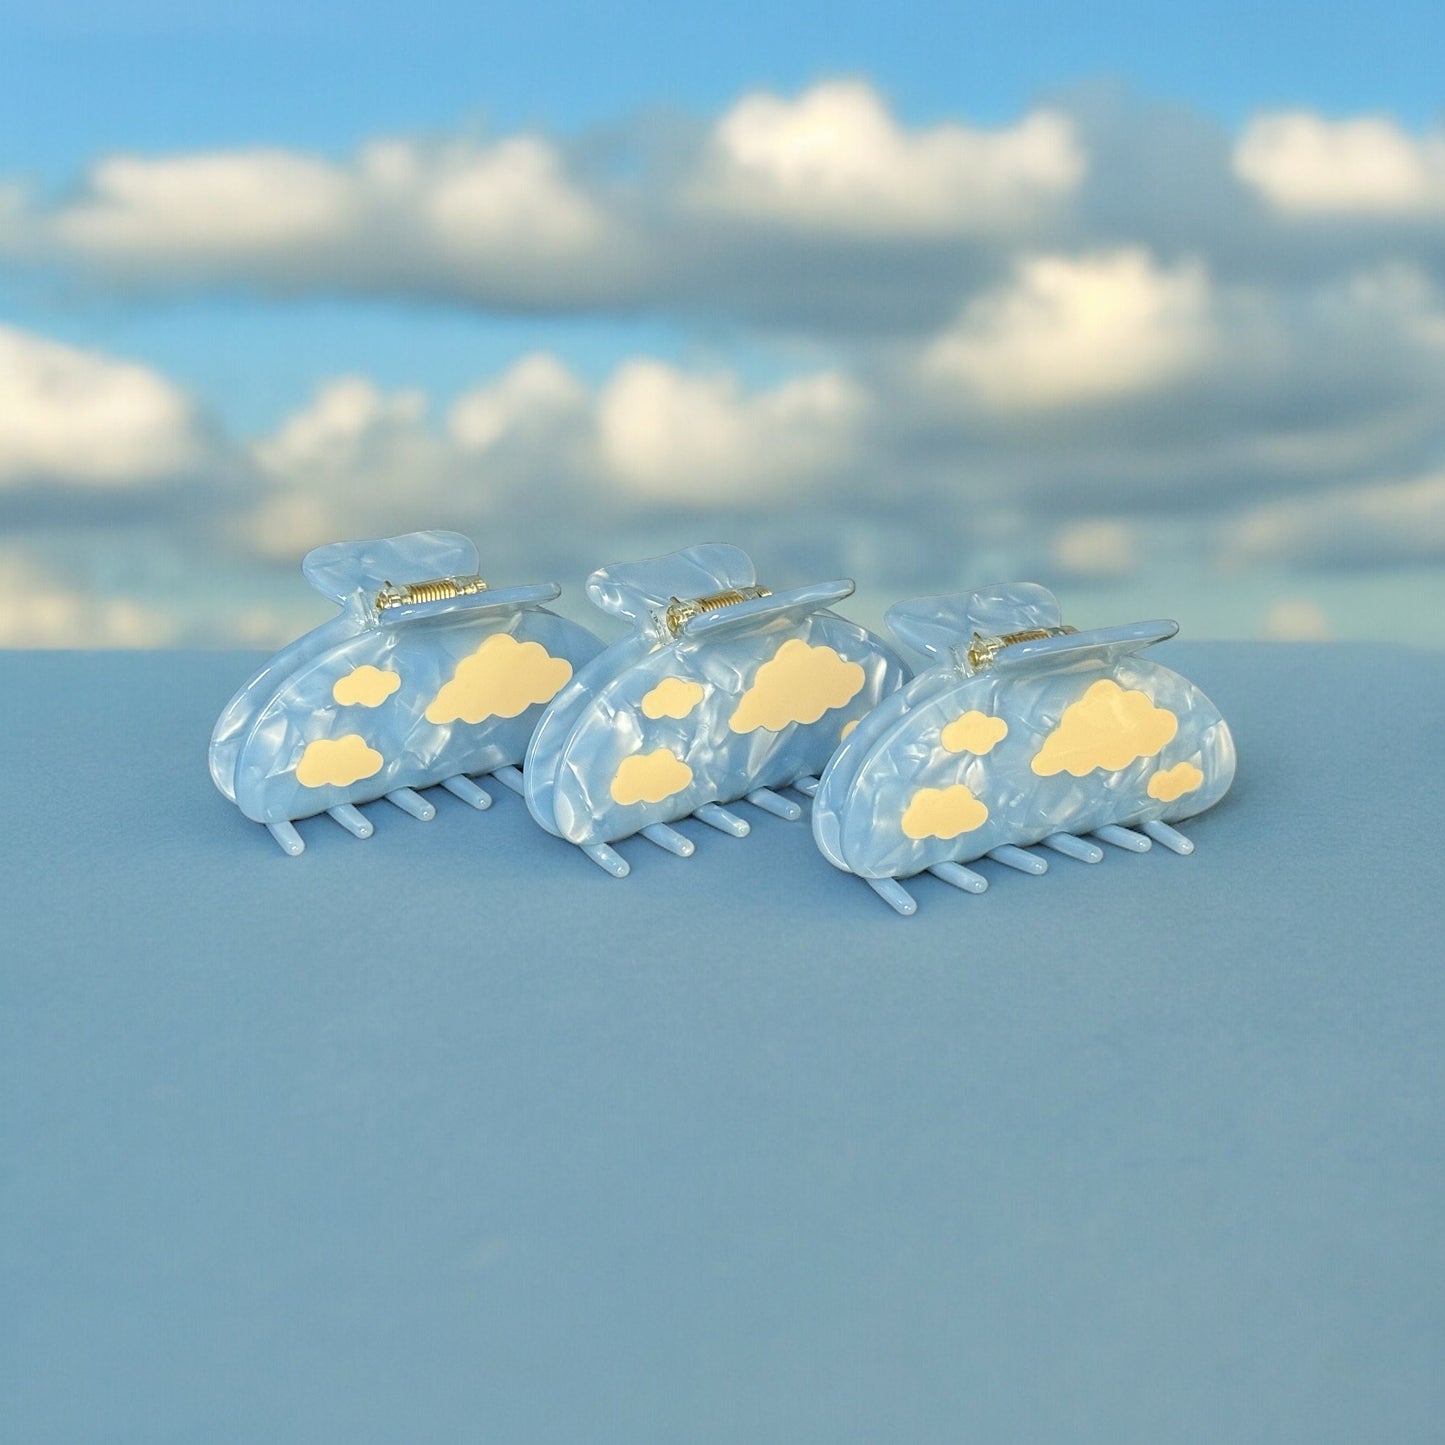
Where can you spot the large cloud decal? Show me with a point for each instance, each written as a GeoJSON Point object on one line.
{"type": "Point", "coordinates": [798, 684]}
{"type": "Point", "coordinates": [1107, 729]}
{"type": "Point", "coordinates": [502, 678]}
{"type": "Point", "coordinates": [650, 777]}
{"type": "Point", "coordinates": [337, 762]}
{"type": "Point", "coordinates": [944, 813]}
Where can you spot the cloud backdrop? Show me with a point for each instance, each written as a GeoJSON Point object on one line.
{"type": "Point", "coordinates": [1104, 342]}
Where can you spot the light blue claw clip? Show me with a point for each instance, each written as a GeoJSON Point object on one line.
{"type": "Point", "coordinates": [428, 676]}
{"type": "Point", "coordinates": [723, 690]}
{"type": "Point", "coordinates": [1022, 732]}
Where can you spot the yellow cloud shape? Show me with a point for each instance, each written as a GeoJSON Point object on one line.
{"type": "Point", "coordinates": [502, 678]}
{"type": "Point", "coordinates": [650, 777]}
{"type": "Point", "coordinates": [365, 686]}
{"type": "Point", "coordinates": [798, 684]}
{"type": "Point", "coordinates": [1106, 728]}
{"type": "Point", "coordinates": [974, 732]}
{"type": "Point", "coordinates": [337, 762]}
{"type": "Point", "coordinates": [847, 728]}
{"type": "Point", "coordinates": [943, 813]}
{"type": "Point", "coordinates": [672, 697]}
{"type": "Point", "coordinates": [1171, 783]}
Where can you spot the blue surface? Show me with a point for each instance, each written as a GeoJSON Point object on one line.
{"type": "Point", "coordinates": [448, 1136]}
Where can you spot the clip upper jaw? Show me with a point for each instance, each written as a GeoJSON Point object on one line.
{"type": "Point", "coordinates": [1013, 627]}
{"type": "Point", "coordinates": [751, 606]}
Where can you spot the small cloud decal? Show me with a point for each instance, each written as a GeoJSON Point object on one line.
{"type": "Point", "coordinates": [974, 732]}
{"type": "Point", "coordinates": [943, 813]}
{"type": "Point", "coordinates": [672, 697]}
{"type": "Point", "coordinates": [1170, 783]}
{"type": "Point", "coordinates": [337, 762]}
{"type": "Point", "coordinates": [502, 678]}
{"type": "Point", "coordinates": [1105, 729]}
{"type": "Point", "coordinates": [798, 684]}
{"type": "Point", "coordinates": [847, 728]}
{"type": "Point", "coordinates": [365, 686]}
{"type": "Point", "coordinates": [650, 777]}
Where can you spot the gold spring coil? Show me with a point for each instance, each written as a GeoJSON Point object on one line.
{"type": "Point", "coordinates": [436, 589]}
{"type": "Point", "coordinates": [680, 610]}
{"type": "Point", "coordinates": [983, 650]}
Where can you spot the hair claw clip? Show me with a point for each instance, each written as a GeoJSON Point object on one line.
{"type": "Point", "coordinates": [723, 690]}
{"type": "Point", "coordinates": [421, 681]}
{"type": "Point", "coordinates": [1023, 731]}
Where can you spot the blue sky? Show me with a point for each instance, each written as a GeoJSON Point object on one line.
{"type": "Point", "coordinates": [1283, 347]}
{"type": "Point", "coordinates": [84, 76]}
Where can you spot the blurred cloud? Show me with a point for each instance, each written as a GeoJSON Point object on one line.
{"type": "Point", "coordinates": [1346, 527]}
{"type": "Point", "coordinates": [52, 611]}
{"type": "Point", "coordinates": [75, 418]}
{"type": "Point", "coordinates": [1305, 165]}
{"type": "Point", "coordinates": [1098, 549]}
{"type": "Point", "coordinates": [1076, 330]}
{"type": "Point", "coordinates": [500, 223]}
{"type": "Point", "coordinates": [1081, 345]}
{"type": "Point", "coordinates": [693, 438]}
{"type": "Point", "coordinates": [834, 160]}
{"type": "Point", "coordinates": [1296, 619]}
{"type": "Point", "coordinates": [820, 211]}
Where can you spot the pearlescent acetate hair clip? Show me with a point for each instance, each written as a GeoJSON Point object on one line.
{"type": "Point", "coordinates": [428, 676]}
{"type": "Point", "coordinates": [1024, 731]}
{"type": "Point", "coordinates": [722, 691]}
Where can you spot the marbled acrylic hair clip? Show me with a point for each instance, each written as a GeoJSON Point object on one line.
{"type": "Point", "coordinates": [723, 690]}
{"type": "Point", "coordinates": [428, 676]}
{"type": "Point", "coordinates": [1023, 731]}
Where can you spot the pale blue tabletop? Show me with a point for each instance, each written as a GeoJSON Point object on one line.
{"type": "Point", "coordinates": [447, 1136]}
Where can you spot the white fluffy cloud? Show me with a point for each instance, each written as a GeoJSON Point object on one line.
{"type": "Point", "coordinates": [1075, 330]}
{"type": "Point", "coordinates": [1392, 521]}
{"type": "Point", "coordinates": [207, 207]}
{"type": "Point", "coordinates": [346, 464]}
{"type": "Point", "coordinates": [525, 222]}
{"type": "Point", "coordinates": [1305, 165]}
{"type": "Point", "coordinates": [1057, 345]}
{"type": "Point", "coordinates": [698, 440]}
{"type": "Point", "coordinates": [835, 160]}
{"type": "Point", "coordinates": [462, 217]}
{"type": "Point", "coordinates": [511, 198]}
{"type": "Point", "coordinates": [538, 443]}
{"type": "Point", "coordinates": [537, 400]}
{"type": "Point", "coordinates": [82, 419]}
{"type": "Point", "coordinates": [1097, 549]}
{"type": "Point", "coordinates": [820, 210]}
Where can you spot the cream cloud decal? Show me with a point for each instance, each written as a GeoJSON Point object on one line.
{"type": "Point", "coordinates": [974, 732]}
{"type": "Point", "coordinates": [337, 762]}
{"type": "Point", "coordinates": [1170, 783]}
{"type": "Point", "coordinates": [365, 686]}
{"type": "Point", "coordinates": [502, 678]}
{"type": "Point", "coordinates": [672, 697]}
{"type": "Point", "coordinates": [1106, 729]}
{"type": "Point", "coordinates": [943, 813]}
{"type": "Point", "coordinates": [650, 777]}
{"type": "Point", "coordinates": [798, 684]}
